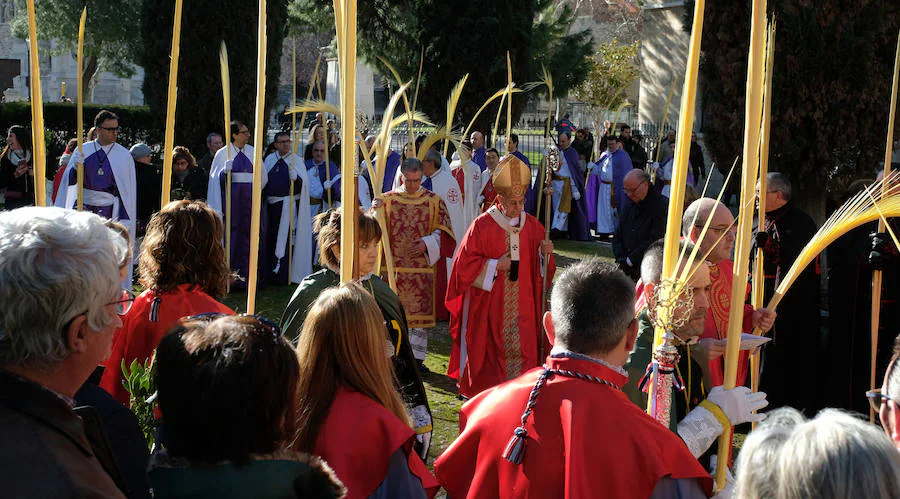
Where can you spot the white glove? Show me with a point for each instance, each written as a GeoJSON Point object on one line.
{"type": "Point", "coordinates": [327, 184]}
{"type": "Point", "coordinates": [576, 195]}
{"type": "Point", "coordinates": [335, 178]}
{"type": "Point", "coordinates": [655, 165]}
{"type": "Point", "coordinates": [78, 156]}
{"type": "Point", "coordinates": [228, 165]}
{"type": "Point", "coordinates": [727, 491]}
{"type": "Point", "coordinates": [589, 166]}
{"type": "Point", "coordinates": [739, 403]}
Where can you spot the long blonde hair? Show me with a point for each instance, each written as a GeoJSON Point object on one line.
{"type": "Point", "coordinates": [343, 343]}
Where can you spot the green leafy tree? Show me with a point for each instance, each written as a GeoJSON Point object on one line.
{"type": "Point", "coordinates": [469, 37]}
{"type": "Point", "coordinates": [110, 43]}
{"type": "Point", "coordinates": [614, 67]}
{"type": "Point", "coordinates": [832, 76]}
{"type": "Point", "coordinates": [205, 23]}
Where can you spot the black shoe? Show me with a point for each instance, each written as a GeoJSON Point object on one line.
{"type": "Point", "coordinates": [423, 369]}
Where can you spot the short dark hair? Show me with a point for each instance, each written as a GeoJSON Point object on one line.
{"type": "Point", "coordinates": [104, 115]}
{"type": "Point", "coordinates": [216, 375]}
{"type": "Point", "coordinates": [411, 165]}
{"type": "Point", "coordinates": [236, 128]}
{"type": "Point", "coordinates": [652, 262]}
{"type": "Point", "coordinates": [493, 150]}
{"type": "Point", "coordinates": [280, 134]}
{"type": "Point", "coordinates": [623, 128]}
{"type": "Point", "coordinates": [514, 138]}
{"type": "Point", "coordinates": [592, 305]}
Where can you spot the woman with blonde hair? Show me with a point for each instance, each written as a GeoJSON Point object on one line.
{"type": "Point", "coordinates": [182, 267]}
{"type": "Point", "coordinates": [328, 228]}
{"type": "Point", "coordinates": [349, 412]}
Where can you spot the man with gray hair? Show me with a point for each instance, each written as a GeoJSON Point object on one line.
{"type": "Point", "coordinates": [578, 436]}
{"type": "Point", "coordinates": [213, 144]}
{"type": "Point", "coordinates": [642, 222]}
{"type": "Point", "coordinates": [60, 289]}
{"type": "Point", "coordinates": [422, 241]}
{"type": "Point", "coordinates": [782, 236]}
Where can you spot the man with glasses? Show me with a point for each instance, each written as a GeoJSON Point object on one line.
{"type": "Point", "coordinates": [52, 338]}
{"type": "Point", "coordinates": [717, 245]}
{"type": "Point", "coordinates": [284, 168]}
{"type": "Point", "coordinates": [422, 239]}
{"type": "Point", "coordinates": [237, 158]}
{"type": "Point", "coordinates": [884, 400]}
{"type": "Point", "coordinates": [110, 185]}
{"type": "Point", "coordinates": [782, 236]}
{"type": "Point", "coordinates": [643, 221]}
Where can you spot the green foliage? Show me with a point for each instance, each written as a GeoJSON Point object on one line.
{"type": "Point", "coordinates": [135, 124]}
{"type": "Point", "coordinates": [140, 382]}
{"type": "Point", "coordinates": [109, 30]}
{"type": "Point", "coordinates": [468, 37]}
{"type": "Point", "coordinates": [833, 67]}
{"type": "Point", "coordinates": [205, 23]}
{"type": "Point", "coordinates": [614, 67]}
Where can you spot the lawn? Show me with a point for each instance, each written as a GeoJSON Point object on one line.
{"type": "Point", "coordinates": [270, 302]}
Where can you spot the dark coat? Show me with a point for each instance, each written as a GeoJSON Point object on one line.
{"type": "Point", "coordinates": [44, 450]}
{"type": "Point", "coordinates": [641, 225]}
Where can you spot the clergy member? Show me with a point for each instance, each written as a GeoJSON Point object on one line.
{"type": "Point", "coordinates": [419, 227]}
{"type": "Point", "coordinates": [324, 181]}
{"type": "Point", "coordinates": [717, 244]}
{"type": "Point", "coordinates": [468, 175]}
{"type": "Point", "coordinates": [438, 180]}
{"type": "Point", "coordinates": [566, 430]}
{"type": "Point", "coordinates": [496, 288]}
{"type": "Point", "coordinates": [569, 207]}
{"type": "Point", "coordinates": [488, 193]}
{"type": "Point", "coordinates": [236, 157]}
{"type": "Point", "coordinates": [110, 188]}
{"type": "Point", "coordinates": [282, 169]}
{"type": "Point", "coordinates": [605, 190]}
{"type": "Point", "coordinates": [512, 147]}
{"type": "Point", "coordinates": [478, 150]}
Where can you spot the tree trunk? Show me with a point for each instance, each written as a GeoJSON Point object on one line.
{"type": "Point", "coordinates": [91, 65]}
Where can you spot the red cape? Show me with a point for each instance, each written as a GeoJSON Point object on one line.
{"type": "Point", "coordinates": [145, 325]}
{"type": "Point", "coordinates": [357, 440]}
{"type": "Point", "coordinates": [484, 336]}
{"type": "Point", "coordinates": [584, 440]}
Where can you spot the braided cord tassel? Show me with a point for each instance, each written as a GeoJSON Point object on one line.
{"type": "Point", "coordinates": [515, 449]}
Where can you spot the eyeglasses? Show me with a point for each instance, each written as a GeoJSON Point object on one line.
{"type": "Point", "coordinates": [110, 129]}
{"type": "Point", "coordinates": [258, 322]}
{"type": "Point", "coordinates": [244, 132]}
{"type": "Point", "coordinates": [718, 230]}
{"type": "Point", "coordinates": [876, 398]}
{"type": "Point", "coordinates": [123, 304]}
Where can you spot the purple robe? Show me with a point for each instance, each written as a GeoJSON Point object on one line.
{"type": "Point", "coordinates": [531, 193]}
{"type": "Point", "coordinates": [98, 176]}
{"type": "Point", "coordinates": [579, 229]}
{"type": "Point", "coordinates": [279, 185]}
{"type": "Point", "coordinates": [621, 165]}
{"type": "Point", "coordinates": [333, 172]}
{"type": "Point", "coordinates": [478, 158]}
{"type": "Point", "coordinates": [391, 165]}
{"type": "Point", "coordinates": [239, 218]}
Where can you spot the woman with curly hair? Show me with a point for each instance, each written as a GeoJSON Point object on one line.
{"type": "Point", "coordinates": [188, 181]}
{"type": "Point", "coordinates": [349, 412]}
{"type": "Point", "coordinates": [182, 267]}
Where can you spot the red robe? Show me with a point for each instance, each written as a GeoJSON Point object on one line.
{"type": "Point", "coordinates": [720, 275]}
{"type": "Point", "coordinates": [489, 193]}
{"type": "Point", "coordinates": [409, 218]}
{"type": "Point", "coordinates": [145, 325]}
{"type": "Point", "coordinates": [500, 329]}
{"type": "Point", "coordinates": [460, 175]}
{"type": "Point", "coordinates": [584, 440]}
{"type": "Point", "coordinates": [357, 440]}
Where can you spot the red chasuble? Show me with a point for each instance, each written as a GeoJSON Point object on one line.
{"type": "Point", "coordinates": [720, 275]}
{"type": "Point", "coordinates": [357, 440]}
{"type": "Point", "coordinates": [151, 316]}
{"type": "Point", "coordinates": [419, 285]}
{"type": "Point", "coordinates": [495, 333]}
{"type": "Point", "coordinates": [584, 439]}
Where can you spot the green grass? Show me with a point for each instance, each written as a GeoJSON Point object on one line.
{"type": "Point", "coordinates": [271, 301]}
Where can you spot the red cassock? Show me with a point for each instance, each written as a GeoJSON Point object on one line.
{"type": "Point", "coordinates": [721, 278]}
{"type": "Point", "coordinates": [151, 316]}
{"type": "Point", "coordinates": [495, 333]}
{"type": "Point", "coordinates": [584, 440]}
{"type": "Point", "coordinates": [357, 440]}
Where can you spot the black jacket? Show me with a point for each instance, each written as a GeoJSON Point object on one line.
{"type": "Point", "coordinates": [641, 224]}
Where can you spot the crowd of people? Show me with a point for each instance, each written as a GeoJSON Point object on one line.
{"type": "Point", "coordinates": [330, 402]}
